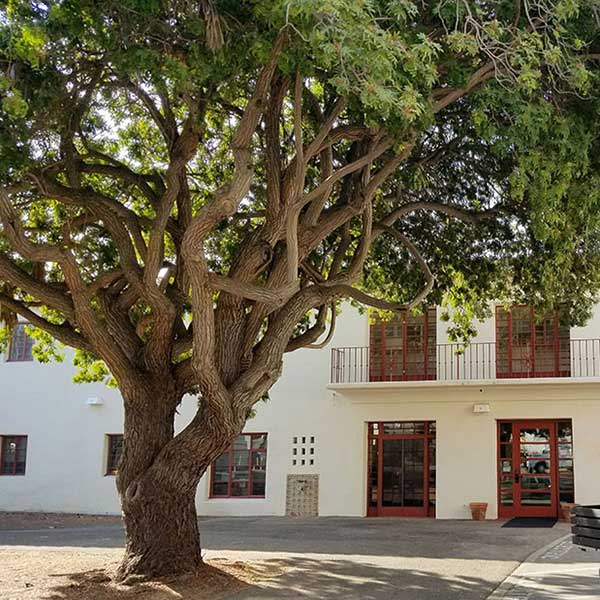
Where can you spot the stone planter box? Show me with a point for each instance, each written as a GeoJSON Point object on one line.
{"type": "Point", "coordinates": [585, 526]}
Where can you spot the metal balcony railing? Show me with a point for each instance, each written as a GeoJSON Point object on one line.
{"type": "Point", "coordinates": [578, 358]}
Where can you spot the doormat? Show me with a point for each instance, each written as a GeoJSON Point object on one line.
{"type": "Point", "coordinates": [532, 522]}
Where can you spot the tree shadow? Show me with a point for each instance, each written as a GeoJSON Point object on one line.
{"type": "Point", "coordinates": [325, 579]}
{"type": "Point", "coordinates": [329, 579]}
{"type": "Point", "coordinates": [214, 581]}
{"type": "Point", "coordinates": [560, 585]}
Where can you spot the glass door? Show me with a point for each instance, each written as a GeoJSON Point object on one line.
{"type": "Point", "coordinates": [535, 467]}
{"type": "Point", "coordinates": [534, 471]}
{"type": "Point", "coordinates": [401, 473]}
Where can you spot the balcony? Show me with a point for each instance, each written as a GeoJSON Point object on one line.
{"type": "Point", "coordinates": [479, 361]}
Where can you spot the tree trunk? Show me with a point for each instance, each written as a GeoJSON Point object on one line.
{"type": "Point", "coordinates": [162, 530]}
{"type": "Point", "coordinates": [157, 482]}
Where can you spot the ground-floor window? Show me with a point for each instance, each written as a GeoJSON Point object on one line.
{"type": "Point", "coordinates": [13, 454]}
{"type": "Point", "coordinates": [114, 452]}
{"type": "Point", "coordinates": [401, 469]}
{"type": "Point", "coordinates": [535, 467]}
{"type": "Point", "coordinates": [240, 472]}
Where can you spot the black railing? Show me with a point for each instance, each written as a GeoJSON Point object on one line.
{"type": "Point", "coordinates": [475, 361]}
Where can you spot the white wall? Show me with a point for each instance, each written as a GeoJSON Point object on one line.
{"type": "Point", "coordinates": [66, 437]}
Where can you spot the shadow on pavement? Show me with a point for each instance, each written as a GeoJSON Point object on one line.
{"type": "Point", "coordinates": [335, 579]}
{"type": "Point", "coordinates": [579, 585]}
{"type": "Point", "coordinates": [303, 578]}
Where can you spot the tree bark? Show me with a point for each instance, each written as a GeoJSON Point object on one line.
{"type": "Point", "coordinates": [162, 529]}
{"type": "Point", "coordinates": [158, 478]}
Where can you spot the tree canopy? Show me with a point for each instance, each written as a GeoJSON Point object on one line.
{"type": "Point", "coordinates": [188, 188]}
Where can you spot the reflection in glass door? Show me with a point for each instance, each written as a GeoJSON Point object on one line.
{"type": "Point", "coordinates": [401, 474]}
{"type": "Point", "coordinates": [535, 467]}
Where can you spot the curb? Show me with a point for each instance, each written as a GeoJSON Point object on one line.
{"type": "Point", "coordinates": [513, 579]}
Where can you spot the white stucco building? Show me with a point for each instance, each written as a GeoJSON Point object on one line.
{"type": "Point", "coordinates": [388, 420]}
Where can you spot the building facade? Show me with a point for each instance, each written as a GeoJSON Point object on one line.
{"type": "Point", "coordinates": [391, 419]}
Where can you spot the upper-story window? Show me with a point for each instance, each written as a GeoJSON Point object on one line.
{"type": "Point", "coordinates": [529, 346]}
{"type": "Point", "coordinates": [403, 348]}
{"type": "Point", "coordinates": [13, 454]}
{"type": "Point", "coordinates": [241, 470]}
{"type": "Point", "coordinates": [21, 345]}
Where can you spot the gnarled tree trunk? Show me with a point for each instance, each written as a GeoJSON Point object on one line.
{"type": "Point", "coordinates": [162, 527]}
{"type": "Point", "coordinates": [157, 482]}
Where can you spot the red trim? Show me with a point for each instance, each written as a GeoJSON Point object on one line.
{"type": "Point", "coordinates": [388, 371]}
{"type": "Point", "coordinates": [251, 453]}
{"type": "Point", "coordinates": [18, 438]}
{"type": "Point", "coordinates": [517, 509]}
{"type": "Point", "coordinates": [531, 371]}
{"type": "Point", "coordinates": [110, 438]}
{"type": "Point", "coordinates": [393, 511]}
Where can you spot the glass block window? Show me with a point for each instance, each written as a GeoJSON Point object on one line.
{"type": "Point", "coordinates": [240, 472]}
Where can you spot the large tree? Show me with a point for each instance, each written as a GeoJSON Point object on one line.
{"type": "Point", "coordinates": [190, 187]}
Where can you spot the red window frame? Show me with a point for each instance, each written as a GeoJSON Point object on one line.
{"type": "Point", "coordinates": [532, 370]}
{"type": "Point", "coordinates": [375, 438]}
{"type": "Point", "coordinates": [111, 441]}
{"type": "Point", "coordinates": [251, 452]}
{"type": "Point", "coordinates": [512, 457]}
{"type": "Point", "coordinates": [423, 369]}
{"type": "Point", "coordinates": [23, 354]}
{"type": "Point", "coordinates": [19, 439]}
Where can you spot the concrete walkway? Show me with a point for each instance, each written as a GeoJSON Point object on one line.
{"type": "Point", "coordinates": [559, 572]}
{"type": "Point", "coordinates": [349, 558]}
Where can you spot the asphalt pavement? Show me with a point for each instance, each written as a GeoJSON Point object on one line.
{"type": "Point", "coordinates": [349, 558]}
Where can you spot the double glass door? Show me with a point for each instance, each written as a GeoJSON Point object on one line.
{"type": "Point", "coordinates": [401, 476]}
{"type": "Point", "coordinates": [535, 467]}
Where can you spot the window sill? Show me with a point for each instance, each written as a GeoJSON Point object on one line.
{"type": "Point", "coordinates": [236, 497]}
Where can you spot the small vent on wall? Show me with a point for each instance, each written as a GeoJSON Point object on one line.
{"type": "Point", "coordinates": [303, 451]}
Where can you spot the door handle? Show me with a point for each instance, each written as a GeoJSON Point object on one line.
{"type": "Point", "coordinates": [516, 476]}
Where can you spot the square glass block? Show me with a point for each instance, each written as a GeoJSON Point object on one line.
{"type": "Point", "coordinates": [374, 428]}
{"type": "Point", "coordinates": [505, 450]}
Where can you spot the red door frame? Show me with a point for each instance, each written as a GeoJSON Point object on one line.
{"type": "Point", "coordinates": [402, 375]}
{"type": "Point", "coordinates": [532, 372]}
{"type": "Point", "coordinates": [403, 511]}
{"type": "Point", "coordinates": [516, 510]}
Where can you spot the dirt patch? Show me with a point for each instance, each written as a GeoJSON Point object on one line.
{"type": "Point", "coordinates": [74, 574]}
{"type": "Point", "coordinates": [29, 520]}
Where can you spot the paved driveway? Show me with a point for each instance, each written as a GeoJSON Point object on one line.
{"type": "Point", "coordinates": [346, 558]}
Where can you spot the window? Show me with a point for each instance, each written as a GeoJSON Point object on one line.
{"type": "Point", "coordinates": [20, 345]}
{"type": "Point", "coordinates": [241, 471]}
{"type": "Point", "coordinates": [529, 346]}
{"type": "Point", "coordinates": [114, 453]}
{"type": "Point", "coordinates": [13, 454]}
{"type": "Point", "coordinates": [403, 348]}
